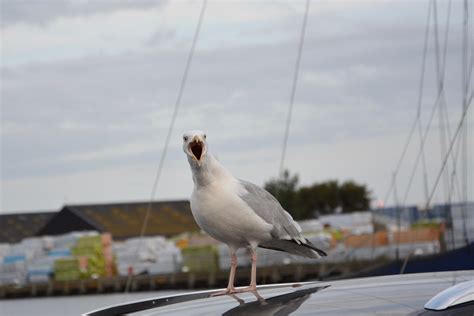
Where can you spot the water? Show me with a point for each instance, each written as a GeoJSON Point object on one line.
{"type": "Point", "coordinates": [71, 305]}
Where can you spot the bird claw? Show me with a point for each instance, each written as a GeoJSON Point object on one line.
{"type": "Point", "coordinates": [225, 292]}
{"type": "Point", "coordinates": [235, 297]}
{"type": "Point", "coordinates": [251, 289]}
{"type": "Point", "coordinates": [232, 291]}
{"type": "Point", "coordinates": [246, 289]}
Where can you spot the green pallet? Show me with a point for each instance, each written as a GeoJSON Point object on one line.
{"type": "Point", "coordinates": [87, 241]}
{"type": "Point", "coordinates": [67, 276]}
{"type": "Point", "coordinates": [64, 264]}
{"type": "Point", "coordinates": [201, 259]}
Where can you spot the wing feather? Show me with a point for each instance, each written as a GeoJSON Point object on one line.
{"type": "Point", "coordinates": [286, 232]}
{"type": "Point", "coordinates": [269, 209]}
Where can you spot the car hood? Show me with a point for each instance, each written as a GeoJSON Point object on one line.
{"type": "Point", "coordinates": [390, 295]}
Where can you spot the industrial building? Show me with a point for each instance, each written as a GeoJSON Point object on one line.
{"type": "Point", "coordinates": [122, 220]}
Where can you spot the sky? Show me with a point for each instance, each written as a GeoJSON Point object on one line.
{"type": "Point", "coordinates": [88, 90]}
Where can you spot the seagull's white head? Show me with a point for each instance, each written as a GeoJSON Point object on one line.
{"type": "Point", "coordinates": [195, 146]}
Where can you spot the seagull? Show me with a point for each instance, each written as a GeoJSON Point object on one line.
{"type": "Point", "coordinates": [239, 213]}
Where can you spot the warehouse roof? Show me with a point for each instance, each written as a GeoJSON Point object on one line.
{"type": "Point", "coordinates": [124, 220]}
{"type": "Point", "coordinates": [15, 227]}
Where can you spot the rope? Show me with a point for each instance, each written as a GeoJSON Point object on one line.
{"type": "Point", "coordinates": [420, 98]}
{"type": "Point", "coordinates": [170, 130]}
{"type": "Point", "coordinates": [465, 76]}
{"type": "Point", "coordinates": [440, 71]}
{"type": "Point", "coordinates": [440, 97]}
{"type": "Point", "coordinates": [458, 129]}
{"type": "Point", "coordinates": [293, 89]}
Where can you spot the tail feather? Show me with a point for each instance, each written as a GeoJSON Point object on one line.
{"type": "Point", "coordinates": [291, 246]}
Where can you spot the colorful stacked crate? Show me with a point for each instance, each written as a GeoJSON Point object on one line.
{"type": "Point", "coordinates": [17, 257]}
{"type": "Point", "coordinates": [13, 269]}
{"type": "Point", "coordinates": [90, 254]}
{"type": "Point", "coordinates": [153, 255]}
{"type": "Point", "coordinates": [95, 255]}
{"type": "Point", "coordinates": [110, 269]}
{"type": "Point", "coordinates": [40, 270]}
{"type": "Point", "coordinates": [67, 269]}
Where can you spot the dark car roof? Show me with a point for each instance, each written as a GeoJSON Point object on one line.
{"type": "Point", "coordinates": [389, 295]}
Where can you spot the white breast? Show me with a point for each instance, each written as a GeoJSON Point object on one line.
{"type": "Point", "coordinates": [221, 213]}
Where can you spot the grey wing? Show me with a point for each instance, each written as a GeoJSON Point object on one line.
{"type": "Point", "coordinates": [267, 207]}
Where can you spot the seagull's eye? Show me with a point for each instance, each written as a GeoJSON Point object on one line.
{"type": "Point", "coordinates": [204, 136]}
{"type": "Point", "coordinates": [185, 138]}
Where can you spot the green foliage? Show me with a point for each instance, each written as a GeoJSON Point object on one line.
{"type": "Point", "coordinates": [319, 198]}
{"type": "Point", "coordinates": [353, 197]}
{"type": "Point", "coordinates": [284, 190]}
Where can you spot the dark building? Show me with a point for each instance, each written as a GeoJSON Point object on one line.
{"type": "Point", "coordinates": [15, 227]}
{"type": "Point", "coordinates": [123, 220]}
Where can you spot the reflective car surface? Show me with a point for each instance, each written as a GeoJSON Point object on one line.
{"type": "Point", "coordinates": [387, 295]}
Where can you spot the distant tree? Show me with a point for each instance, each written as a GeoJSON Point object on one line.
{"type": "Point", "coordinates": [284, 189]}
{"type": "Point", "coordinates": [319, 198]}
{"type": "Point", "coordinates": [307, 202]}
{"type": "Point", "coordinates": [354, 197]}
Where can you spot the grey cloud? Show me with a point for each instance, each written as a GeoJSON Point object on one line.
{"type": "Point", "coordinates": [239, 94]}
{"type": "Point", "coordinates": [44, 12]}
{"type": "Point", "coordinates": [160, 36]}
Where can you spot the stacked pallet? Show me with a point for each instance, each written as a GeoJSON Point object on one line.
{"type": "Point", "coordinates": [15, 259]}
{"type": "Point", "coordinates": [91, 258]}
{"type": "Point", "coordinates": [200, 259]}
{"type": "Point", "coordinates": [152, 255]}
{"type": "Point", "coordinates": [67, 269]}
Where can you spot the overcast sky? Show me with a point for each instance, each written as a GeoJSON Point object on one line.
{"type": "Point", "coordinates": [88, 88]}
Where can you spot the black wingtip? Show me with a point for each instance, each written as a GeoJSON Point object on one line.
{"type": "Point", "coordinates": [309, 245]}
{"type": "Point", "coordinates": [321, 252]}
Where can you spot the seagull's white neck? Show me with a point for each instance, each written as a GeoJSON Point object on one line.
{"type": "Point", "coordinates": [208, 170]}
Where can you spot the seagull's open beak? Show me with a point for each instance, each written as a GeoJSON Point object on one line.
{"type": "Point", "coordinates": [196, 147]}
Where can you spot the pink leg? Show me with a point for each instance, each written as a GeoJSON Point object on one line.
{"type": "Point", "coordinates": [233, 266]}
{"type": "Point", "coordinates": [253, 277]}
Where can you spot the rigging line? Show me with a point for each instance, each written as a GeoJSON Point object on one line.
{"type": "Point", "coordinates": [471, 62]}
{"type": "Point", "coordinates": [293, 89]}
{"type": "Point", "coordinates": [456, 154]}
{"type": "Point", "coordinates": [454, 184]}
{"type": "Point", "coordinates": [399, 212]}
{"type": "Point", "coordinates": [170, 128]}
{"type": "Point", "coordinates": [446, 38]}
{"type": "Point", "coordinates": [454, 175]}
{"type": "Point", "coordinates": [422, 144]}
{"type": "Point", "coordinates": [457, 182]}
{"type": "Point", "coordinates": [410, 134]}
{"type": "Point", "coordinates": [444, 110]}
{"type": "Point", "coordinates": [417, 121]}
{"type": "Point", "coordinates": [464, 134]}
{"type": "Point", "coordinates": [420, 98]}
{"type": "Point", "coordinates": [420, 130]}
{"type": "Point", "coordinates": [465, 95]}
{"type": "Point", "coordinates": [424, 137]}
{"type": "Point", "coordinates": [468, 43]}
{"type": "Point", "coordinates": [460, 125]}
{"type": "Point", "coordinates": [469, 73]}
{"type": "Point", "coordinates": [465, 47]}
{"type": "Point", "coordinates": [440, 71]}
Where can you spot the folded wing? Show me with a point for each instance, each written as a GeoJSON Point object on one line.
{"type": "Point", "coordinates": [286, 232]}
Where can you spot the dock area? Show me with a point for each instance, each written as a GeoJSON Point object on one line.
{"type": "Point", "coordinates": [188, 280]}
